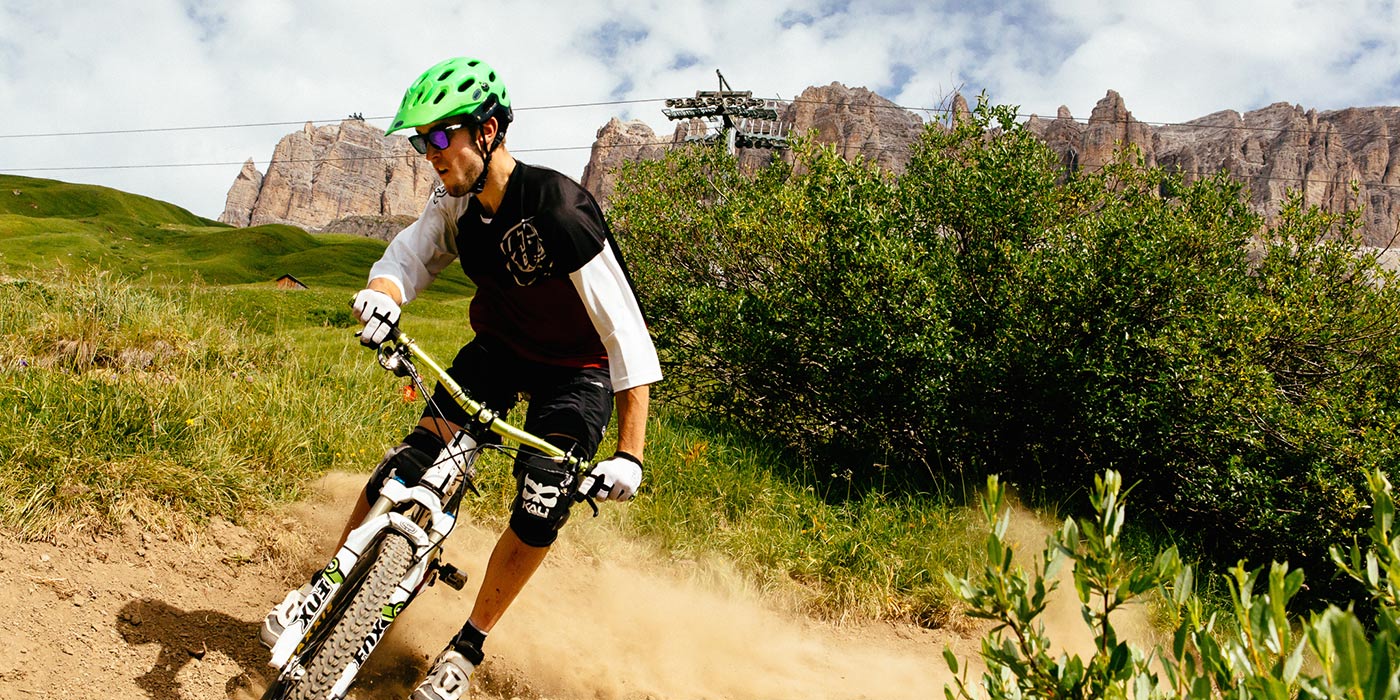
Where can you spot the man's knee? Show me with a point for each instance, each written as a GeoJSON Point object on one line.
{"type": "Point", "coordinates": [543, 497]}
{"type": "Point", "coordinates": [407, 461]}
{"type": "Point", "coordinates": [537, 532]}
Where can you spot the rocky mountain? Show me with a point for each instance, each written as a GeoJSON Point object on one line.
{"type": "Point", "coordinates": [857, 121]}
{"type": "Point", "coordinates": [351, 172]}
{"type": "Point", "coordinates": [621, 142]}
{"type": "Point", "coordinates": [319, 175]}
{"type": "Point", "coordinates": [1274, 150]}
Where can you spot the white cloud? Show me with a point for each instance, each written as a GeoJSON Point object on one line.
{"type": "Point", "coordinates": [69, 65]}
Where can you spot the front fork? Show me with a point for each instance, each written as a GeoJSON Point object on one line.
{"type": "Point", "coordinates": [454, 467]}
{"type": "Point", "coordinates": [327, 583]}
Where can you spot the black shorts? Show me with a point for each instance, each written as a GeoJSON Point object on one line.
{"type": "Point", "coordinates": [569, 407]}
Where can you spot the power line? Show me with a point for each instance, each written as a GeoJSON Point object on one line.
{"type": "Point", "coordinates": [941, 110]}
{"type": "Point", "coordinates": [207, 127]}
{"type": "Point", "coordinates": [415, 156]}
{"type": "Point", "coordinates": [211, 127]}
{"type": "Point", "coordinates": [608, 103]}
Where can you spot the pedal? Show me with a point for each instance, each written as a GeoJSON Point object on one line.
{"type": "Point", "coordinates": [451, 576]}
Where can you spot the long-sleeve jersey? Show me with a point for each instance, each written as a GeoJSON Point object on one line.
{"type": "Point", "coordinates": [550, 281]}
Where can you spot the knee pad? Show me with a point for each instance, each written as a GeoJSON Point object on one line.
{"type": "Point", "coordinates": [541, 504]}
{"type": "Point", "coordinates": [407, 460]}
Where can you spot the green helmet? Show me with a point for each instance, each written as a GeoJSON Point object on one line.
{"type": "Point", "coordinates": [455, 87]}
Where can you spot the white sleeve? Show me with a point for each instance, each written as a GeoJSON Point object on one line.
{"type": "Point", "coordinates": [613, 308]}
{"type": "Point", "coordinates": [418, 253]}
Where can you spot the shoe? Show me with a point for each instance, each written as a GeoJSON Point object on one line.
{"type": "Point", "coordinates": [281, 616]}
{"type": "Point", "coordinates": [449, 679]}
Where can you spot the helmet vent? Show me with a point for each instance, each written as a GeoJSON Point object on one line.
{"type": "Point", "coordinates": [473, 63]}
{"type": "Point", "coordinates": [445, 75]}
{"type": "Point", "coordinates": [467, 85]}
{"type": "Point", "coordinates": [492, 76]}
{"type": "Point", "coordinates": [440, 95]}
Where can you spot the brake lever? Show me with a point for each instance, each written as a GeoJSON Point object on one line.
{"type": "Point", "coordinates": [579, 496]}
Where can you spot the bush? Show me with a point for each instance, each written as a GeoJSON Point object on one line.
{"type": "Point", "coordinates": [795, 303]}
{"type": "Point", "coordinates": [1258, 652]}
{"type": "Point", "coordinates": [986, 312]}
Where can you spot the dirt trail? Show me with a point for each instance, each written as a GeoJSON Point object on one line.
{"type": "Point", "coordinates": [145, 617]}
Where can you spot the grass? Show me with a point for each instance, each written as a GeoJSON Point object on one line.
{"type": "Point", "coordinates": [153, 374]}
{"type": "Point", "coordinates": [123, 401]}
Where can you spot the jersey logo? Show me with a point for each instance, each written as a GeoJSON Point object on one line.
{"type": "Point", "coordinates": [438, 193]}
{"type": "Point", "coordinates": [525, 255]}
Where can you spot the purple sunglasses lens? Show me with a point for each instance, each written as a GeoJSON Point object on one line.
{"type": "Point", "coordinates": [437, 137]}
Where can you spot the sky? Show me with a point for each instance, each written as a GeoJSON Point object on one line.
{"type": "Point", "coordinates": [151, 70]}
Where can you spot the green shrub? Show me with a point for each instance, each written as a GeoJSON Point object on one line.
{"type": "Point", "coordinates": [792, 302]}
{"type": "Point", "coordinates": [987, 312]}
{"type": "Point", "coordinates": [1259, 652]}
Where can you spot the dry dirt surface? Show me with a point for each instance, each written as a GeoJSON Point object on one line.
{"type": "Point", "coordinates": [153, 617]}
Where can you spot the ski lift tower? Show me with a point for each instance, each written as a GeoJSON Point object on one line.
{"type": "Point", "coordinates": [744, 120]}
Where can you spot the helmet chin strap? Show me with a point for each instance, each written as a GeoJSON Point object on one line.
{"type": "Point", "coordinates": [480, 183]}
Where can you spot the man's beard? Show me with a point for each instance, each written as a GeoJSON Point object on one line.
{"type": "Point", "coordinates": [463, 186]}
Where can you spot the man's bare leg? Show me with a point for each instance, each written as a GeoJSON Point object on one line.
{"type": "Point", "coordinates": [511, 565]}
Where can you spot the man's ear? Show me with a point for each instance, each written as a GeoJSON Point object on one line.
{"type": "Point", "coordinates": [489, 128]}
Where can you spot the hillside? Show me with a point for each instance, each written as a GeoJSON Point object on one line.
{"type": "Point", "coordinates": [46, 222]}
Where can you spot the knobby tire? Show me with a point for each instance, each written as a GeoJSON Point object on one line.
{"type": "Point", "coordinates": [344, 635]}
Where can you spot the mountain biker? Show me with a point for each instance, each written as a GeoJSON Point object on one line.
{"type": "Point", "coordinates": [554, 316]}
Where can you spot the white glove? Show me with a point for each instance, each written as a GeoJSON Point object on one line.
{"type": "Point", "coordinates": [379, 312]}
{"type": "Point", "coordinates": [616, 478]}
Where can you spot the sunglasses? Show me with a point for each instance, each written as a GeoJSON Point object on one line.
{"type": "Point", "coordinates": [438, 136]}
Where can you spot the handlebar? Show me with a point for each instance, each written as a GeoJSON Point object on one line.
{"type": "Point", "coordinates": [397, 353]}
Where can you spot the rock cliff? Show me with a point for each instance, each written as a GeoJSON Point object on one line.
{"type": "Point", "coordinates": [856, 121]}
{"type": "Point", "coordinates": [319, 175]}
{"type": "Point", "coordinates": [1273, 150]}
{"type": "Point", "coordinates": [337, 172]}
{"type": "Point", "coordinates": [621, 142]}
{"type": "Point", "coordinates": [242, 196]}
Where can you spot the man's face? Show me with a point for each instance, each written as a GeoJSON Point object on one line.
{"type": "Point", "coordinates": [459, 164]}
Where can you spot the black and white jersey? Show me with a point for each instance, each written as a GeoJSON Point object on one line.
{"type": "Point", "coordinates": [550, 280]}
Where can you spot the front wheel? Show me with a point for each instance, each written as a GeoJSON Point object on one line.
{"type": "Point", "coordinates": [346, 625]}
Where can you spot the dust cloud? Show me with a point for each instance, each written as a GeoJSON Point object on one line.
{"type": "Point", "coordinates": [610, 619]}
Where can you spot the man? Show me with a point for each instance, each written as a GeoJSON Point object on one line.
{"type": "Point", "coordinates": [554, 315]}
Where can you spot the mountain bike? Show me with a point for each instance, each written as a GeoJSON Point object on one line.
{"type": "Point", "coordinates": [396, 551]}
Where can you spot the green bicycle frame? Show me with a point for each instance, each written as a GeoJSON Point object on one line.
{"type": "Point", "coordinates": [483, 416]}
